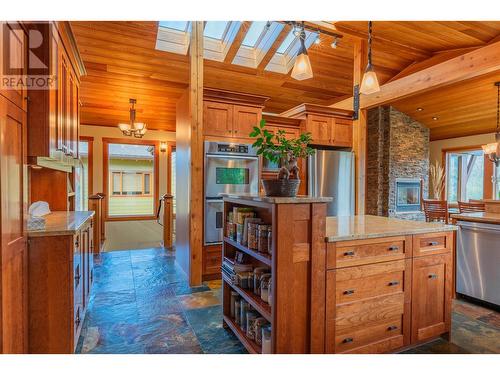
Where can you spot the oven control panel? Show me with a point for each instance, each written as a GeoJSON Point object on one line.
{"type": "Point", "coordinates": [240, 149]}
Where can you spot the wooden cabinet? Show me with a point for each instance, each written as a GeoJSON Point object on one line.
{"type": "Point", "coordinates": [60, 283]}
{"type": "Point", "coordinates": [328, 126]}
{"type": "Point", "coordinates": [431, 296]}
{"type": "Point", "coordinates": [13, 252]}
{"type": "Point", "coordinates": [228, 120]}
{"type": "Point", "coordinates": [13, 61]}
{"type": "Point", "coordinates": [386, 293]}
{"type": "Point", "coordinates": [54, 112]}
{"type": "Point", "coordinates": [229, 114]}
{"type": "Point", "coordinates": [212, 261]}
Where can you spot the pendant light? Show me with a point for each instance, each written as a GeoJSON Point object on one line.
{"type": "Point", "coordinates": [133, 128]}
{"type": "Point", "coordinates": [302, 68]}
{"type": "Point", "coordinates": [493, 149]}
{"type": "Point", "coordinates": [369, 84]}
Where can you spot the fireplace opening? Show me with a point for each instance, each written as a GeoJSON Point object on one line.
{"type": "Point", "coordinates": [408, 195]}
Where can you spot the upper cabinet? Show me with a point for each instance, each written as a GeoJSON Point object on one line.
{"type": "Point", "coordinates": [328, 126]}
{"type": "Point", "coordinates": [54, 112]}
{"type": "Point", "coordinates": [229, 114]}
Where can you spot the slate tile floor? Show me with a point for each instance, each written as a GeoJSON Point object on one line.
{"type": "Point", "coordinates": [142, 303]}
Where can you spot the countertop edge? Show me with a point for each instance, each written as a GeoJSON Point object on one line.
{"type": "Point", "coordinates": [62, 232]}
{"type": "Point", "coordinates": [341, 238]}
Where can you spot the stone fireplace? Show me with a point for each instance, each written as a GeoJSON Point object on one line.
{"type": "Point", "coordinates": [397, 164]}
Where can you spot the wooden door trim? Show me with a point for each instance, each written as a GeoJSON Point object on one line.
{"type": "Point", "coordinates": [105, 175]}
{"type": "Point", "coordinates": [90, 141]}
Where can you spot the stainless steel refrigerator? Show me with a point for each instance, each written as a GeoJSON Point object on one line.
{"type": "Point", "coordinates": [331, 174]}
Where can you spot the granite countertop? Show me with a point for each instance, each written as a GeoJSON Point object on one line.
{"type": "Point", "coordinates": [479, 217]}
{"type": "Point", "coordinates": [279, 200]}
{"type": "Point", "coordinates": [62, 223]}
{"type": "Point", "coordinates": [343, 228]}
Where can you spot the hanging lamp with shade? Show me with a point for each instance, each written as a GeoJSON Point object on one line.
{"type": "Point", "coordinates": [493, 149]}
{"type": "Point", "coordinates": [369, 83]}
{"type": "Point", "coordinates": [302, 68]}
{"type": "Point", "coordinates": [133, 128]}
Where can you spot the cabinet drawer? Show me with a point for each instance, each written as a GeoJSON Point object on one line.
{"type": "Point", "coordinates": [212, 260]}
{"type": "Point", "coordinates": [432, 243]}
{"type": "Point", "coordinates": [355, 253]}
{"type": "Point", "coordinates": [358, 283]}
{"type": "Point", "coordinates": [383, 346]}
{"type": "Point", "coordinates": [384, 330]}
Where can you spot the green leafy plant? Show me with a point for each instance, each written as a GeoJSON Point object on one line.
{"type": "Point", "coordinates": [280, 150]}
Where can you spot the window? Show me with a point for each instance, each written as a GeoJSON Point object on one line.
{"type": "Point", "coordinates": [215, 29]}
{"type": "Point", "coordinates": [464, 175]}
{"type": "Point", "coordinates": [175, 25]}
{"type": "Point", "coordinates": [131, 178]}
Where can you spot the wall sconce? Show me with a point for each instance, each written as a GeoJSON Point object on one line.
{"type": "Point", "coordinates": [163, 146]}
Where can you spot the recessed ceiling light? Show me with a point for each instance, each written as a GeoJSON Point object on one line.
{"type": "Point", "coordinates": [435, 118]}
{"type": "Point", "coordinates": [419, 109]}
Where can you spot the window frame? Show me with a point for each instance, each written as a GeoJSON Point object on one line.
{"type": "Point", "coordinates": [143, 183]}
{"type": "Point", "coordinates": [106, 175]}
{"type": "Point", "coordinates": [487, 168]}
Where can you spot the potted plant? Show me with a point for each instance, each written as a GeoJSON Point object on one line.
{"type": "Point", "coordinates": [284, 152]}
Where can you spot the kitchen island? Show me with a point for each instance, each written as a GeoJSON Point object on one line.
{"type": "Point", "coordinates": [358, 284]}
{"type": "Point", "coordinates": [478, 254]}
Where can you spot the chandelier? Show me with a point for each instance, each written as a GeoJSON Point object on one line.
{"type": "Point", "coordinates": [133, 128]}
{"type": "Point", "coordinates": [493, 149]}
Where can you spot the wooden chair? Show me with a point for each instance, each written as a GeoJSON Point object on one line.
{"type": "Point", "coordinates": [436, 210]}
{"type": "Point", "coordinates": [471, 206]}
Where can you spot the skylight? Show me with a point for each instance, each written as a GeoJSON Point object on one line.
{"type": "Point", "coordinates": [286, 43]}
{"type": "Point", "coordinates": [175, 25]}
{"type": "Point", "coordinates": [215, 29]}
{"type": "Point", "coordinates": [254, 33]}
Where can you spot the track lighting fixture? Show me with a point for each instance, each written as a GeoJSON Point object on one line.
{"type": "Point", "coordinates": [334, 43]}
{"type": "Point", "coordinates": [369, 84]}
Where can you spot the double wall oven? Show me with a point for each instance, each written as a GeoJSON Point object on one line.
{"type": "Point", "coordinates": [229, 168]}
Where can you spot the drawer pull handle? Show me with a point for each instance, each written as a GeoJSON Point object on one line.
{"type": "Point", "coordinates": [433, 243]}
{"type": "Point", "coordinates": [349, 253]}
{"type": "Point", "coordinates": [393, 248]}
{"type": "Point", "coordinates": [433, 276]}
{"type": "Point", "coordinates": [393, 283]}
{"type": "Point", "coordinates": [392, 328]}
{"type": "Point", "coordinates": [349, 291]}
{"type": "Point", "coordinates": [347, 340]}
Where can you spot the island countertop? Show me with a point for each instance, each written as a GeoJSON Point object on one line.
{"type": "Point", "coordinates": [478, 217]}
{"type": "Point", "coordinates": [344, 228]}
{"type": "Point", "coordinates": [279, 200]}
{"type": "Point", "coordinates": [62, 223]}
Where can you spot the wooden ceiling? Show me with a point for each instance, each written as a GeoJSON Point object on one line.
{"type": "Point", "coordinates": [122, 62]}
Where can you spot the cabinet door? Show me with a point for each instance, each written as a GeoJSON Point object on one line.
{"type": "Point", "coordinates": [320, 128]}
{"type": "Point", "coordinates": [62, 102]}
{"type": "Point", "coordinates": [218, 119]}
{"type": "Point", "coordinates": [13, 44]}
{"type": "Point", "coordinates": [431, 296]}
{"type": "Point", "coordinates": [13, 255]}
{"type": "Point", "coordinates": [342, 132]}
{"type": "Point", "coordinates": [289, 132]}
{"type": "Point", "coordinates": [244, 120]}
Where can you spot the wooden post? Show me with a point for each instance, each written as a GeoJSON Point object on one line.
{"type": "Point", "coordinates": [196, 162]}
{"type": "Point", "coordinates": [168, 221]}
{"type": "Point", "coordinates": [359, 128]}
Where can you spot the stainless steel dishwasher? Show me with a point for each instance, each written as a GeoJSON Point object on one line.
{"type": "Point", "coordinates": [478, 261]}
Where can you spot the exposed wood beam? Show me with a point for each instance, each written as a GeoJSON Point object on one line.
{"type": "Point", "coordinates": [328, 25]}
{"type": "Point", "coordinates": [473, 64]}
{"type": "Point", "coordinates": [238, 39]}
{"type": "Point", "coordinates": [272, 50]}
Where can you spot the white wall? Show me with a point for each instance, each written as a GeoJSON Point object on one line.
{"type": "Point", "coordinates": [121, 235]}
{"type": "Point", "coordinates": [437, 146]}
